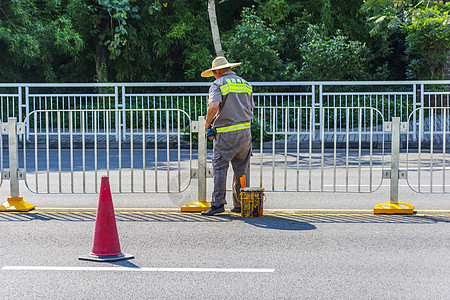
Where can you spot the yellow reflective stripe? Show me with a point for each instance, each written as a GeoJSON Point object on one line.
{"type": "Point", "coordinates": [233, 127]}
{"type": "Point", "coordinates": [236, 88]}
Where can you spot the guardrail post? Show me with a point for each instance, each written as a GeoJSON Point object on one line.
{"type": "Point", "coordinates": [14, 202]}
{"type": "Point", "coordinates": [393, 206]}
{"type": "Point", "coordinates": [201, 160]}
{"type": "Point", "coordinates": [395, 155]}
{"type": "Point", "coordinates": [201, 173]}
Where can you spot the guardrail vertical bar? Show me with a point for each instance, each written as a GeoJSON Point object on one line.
{"type": "Point", "coordinates": [335, 150]}
{"type": "Point", "coordinates": [273, 147]}
{"type": "Point", "coordinates": [321, 112]}
{"type": "Point", "coordinates": [58, 116]}
{"type": "Point", "coordinates": [313, 105]}
{"type": "Point", "coordinates": [143, 151]}
{"type": "Point", "coordinates": [444, 132]}
{"type": "Point", "coordinates": [285, 147]}
{"type": "Point", "coordinates": [131, 151]}
{"type": "Point", "coordinates": [47, 150]}
{"type": "Point", "coordinates": [298, 149]}
{"type": "Point", "coordinates": [27, 109]}
{"type": "Point", "coordinates": [261, 143]}
{"type": "Point", "coordinates": [124, 119]}
{"type": "Point", "coordinates": [20, 103]}
{"type": "Point", "coordinates": [431, 147]}
{"type": "Point", "coordinates": [419, 154]}
{"type": "Point", "coordinates": [106, 122]}
{"type": "Point", "coordinates": [201, 159]}
{"type": "Point", "coordinates": [322, 151]}
{"type": "Point", "coordinates": [95, 152]}
{"type": "Point", "coordinates": [371, 148]}
{"type": "Point", "coordinates": [359, 146]}
{"type": "Point", "coordinates": [347, 144]}
{"type": "Point", "coordinates": [311, 127]}
{"type": "Point", "coordinates": [422, 102]}
{"type": "Point", "coordinates": [395, 155]}
{"type": "Point", "coordinates": [71, 149]}
{"type": "Point", "coordinates": [156, 149]}
{"type": "Point", "coordinates": [168, 150]}
{"type": "Point", "coordinates": [83, 147]}
{"type": "Point", "coordinates": [179, 148]}
{"type": "Point", "coordinates": [120, 154]}
{"type": "Point", "coordinates": [36, 177]}
{"type": "Point", "coordinates": [413, 109]}
{"type": "Point", "coordinates": [116, 109]}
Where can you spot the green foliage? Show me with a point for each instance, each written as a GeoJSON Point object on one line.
{"type": "Point", "coordinates": [275, 10]}
{"type": "Point", "coordinates": [253, 43]}
{"type": "Point", "coordinates": [162, 40]}
{"type": "Point", "coordinates": [37, 39]}
{"type": "Point", "coordinates": [425, 26]}
{"type": "Point", "coordinates": [324, 57]}
{"type": "Point", "coordinates": [428, 42]}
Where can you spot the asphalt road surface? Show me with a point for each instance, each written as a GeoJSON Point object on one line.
{"type": "Point", "coordinates": [188, 256]}
{"type": "Point", "coordinates": [309, 245]}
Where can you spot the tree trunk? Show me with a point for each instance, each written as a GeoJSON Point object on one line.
{"type": "Point", "coordinates": [214, 27]}
{"type": "Point", "coordinates": [100, 61]}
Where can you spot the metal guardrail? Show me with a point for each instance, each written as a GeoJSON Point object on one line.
{"type": "Point", "coordinates": [343, 159]}
{"type": "Point", "coordinates": [67, 151]}
{"type": "Point", "coordinates": [428, 157]}
{"type": "Point", "coordinates": [391, 98]}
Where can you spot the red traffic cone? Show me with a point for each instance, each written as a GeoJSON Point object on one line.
{"type": "Point", "coordinates": [106, 246]}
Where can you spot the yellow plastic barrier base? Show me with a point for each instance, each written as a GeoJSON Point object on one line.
{"type": "Point", "coordinates": [196, 206]}
{"type": "Point", "coordinates": [400, 208]}
{"type": "Point", "coordinates": [16, 204]}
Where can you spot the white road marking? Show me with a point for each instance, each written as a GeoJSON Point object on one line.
{"type": "Point", "coordinates": [137, 269]}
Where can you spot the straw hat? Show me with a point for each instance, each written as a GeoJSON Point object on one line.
{"type": "Point", "coordinates": [219, 62]}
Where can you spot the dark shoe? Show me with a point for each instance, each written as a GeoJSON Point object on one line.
{"type": "Point", "coordinates": [214, 210]}
{"type": "Point", "coordinates": [236, 210]}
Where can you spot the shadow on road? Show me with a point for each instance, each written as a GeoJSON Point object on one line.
{"type": "Point", "coordinates": [125, 264]}
{"type": "Point", "coordinates": [279, 223]}
{"type": "Point", "coordinates": [269, 221]}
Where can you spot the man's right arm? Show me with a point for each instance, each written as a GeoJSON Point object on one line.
{"type": "Point", "coordinates": [215, 98]}
{"type": "Point", "coordinates": [213, 107]}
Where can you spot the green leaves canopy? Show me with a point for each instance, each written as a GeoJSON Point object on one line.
{"type": "Point", "coordinates": [170, 40]}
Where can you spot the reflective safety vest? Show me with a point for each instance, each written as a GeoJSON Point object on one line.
{"type": "Point", "coordinates": [236, 102]}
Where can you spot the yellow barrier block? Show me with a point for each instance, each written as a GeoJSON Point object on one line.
{"type": "Point", "coordinates": [196, 206]}
{"type": "Point", "coordinates": [16, 204]}
{"type": "Point", "coordinates": [400, 208]}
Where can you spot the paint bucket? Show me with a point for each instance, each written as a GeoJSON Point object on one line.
{"type": "Point", "coordinates": [252, 202]}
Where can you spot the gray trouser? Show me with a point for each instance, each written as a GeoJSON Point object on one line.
{"type": "Point", "coordinates": [234, 147]}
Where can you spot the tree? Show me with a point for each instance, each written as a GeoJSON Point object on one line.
{"type": "Point", "coordinates": [214, 27]}
{"type": "Point", "coordinates": [323, 57]}
{"type": "Point", "coordinates": [254, 43]}
{"type": "Point", "coordinates": [103, 23]}
{"type": "Point", "coordinates": [37, 39]}
{"type": "Point", "coordinates": [425, 25]}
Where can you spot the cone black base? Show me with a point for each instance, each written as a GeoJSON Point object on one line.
{"type": "Point", "coordinates": [106, 258]}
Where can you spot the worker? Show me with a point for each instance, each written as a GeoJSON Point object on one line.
{"type": "Point", "coordinates": [229, 116]}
